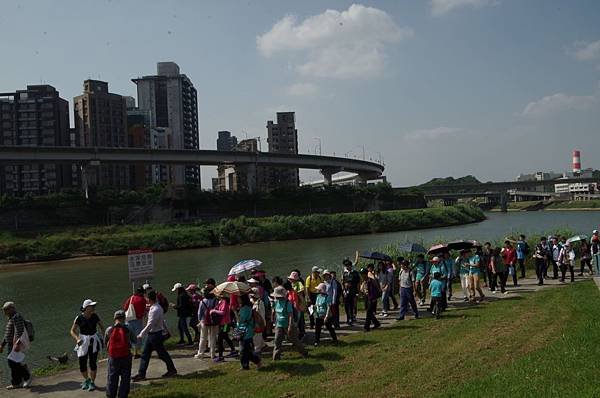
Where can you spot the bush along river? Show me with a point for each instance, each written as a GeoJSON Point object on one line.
{"type": "Point", "coordinates": [50, 294]}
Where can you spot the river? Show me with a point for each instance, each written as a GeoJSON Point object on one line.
{"type": "Point", "coordinates": [50, 294]}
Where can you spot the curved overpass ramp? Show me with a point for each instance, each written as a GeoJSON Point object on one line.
{"type": "Point", "coordinates": [83, 155]}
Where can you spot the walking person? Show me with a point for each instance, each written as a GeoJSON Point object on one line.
{"type": "Point", "coordinates": [296, 282]}
{"type": "Point", "coordinates": [486, 263]}
{"type": "Point", "coordinates": [323, 314]}
{"type": "Point", "coordinates": [223, 314]}
{"type": "Point", "coordinates": [448, 264]}
{"type": "Point", "coordinates": [285, 324]}
{"type": "Point", "coordinates": [386, 280]}
{"type": "Point", "coordinates": [462, 268]}
{"type": "Point", "coordinates": [421, 276]}
{"type": "Point", "coordinates": [595, 249]}
{"type": "Point", "coordinates": [436, 266]}
{"type": "Point", "coordinates": [585, 258]}
{"type": "Point", "coordinates": [135, 310]}
{"type": "Point", "coordinates": [437, 294]}
{"type": "Point", "coordinates": [209, 326]}
{"type": "Point", "coordinates": [196, 298]}
{"type": "Point", "coordinates": [474, 273]}
{"type": "Point", "coordinates": [352, 278]}
{"type": "Point", "coordinates": [246, 325]}
{"type": "Point", "coordinates": [499, 274]}
{"type": "Point", "coordinates": [184, 307]}
{"type": "Point", "coordinates": [337, 298]}
{"type": "Point", "coordinates": [566, 259]}
{"type": "Point", "coordinates": [119, 340]}
{"type": "Point", "coordinates": [522, 253]}
{"type": "Point", "coordinates": [371, 291]}
{"type": "Point", "coordinates": [88, 344]}
{"type": "Point", "coordinates": [155, 333]}
{"type": "Point", "coordinates": [312, 281]}
{"type": "Point", "coordinates": [407, 296]}
{"type": "Point", "coordinates": [555, 250]}
{"type": "Point", "coordinates": [509, 256]}
{"type": "Point", "coordinates": [541, 255]}
{"type": "Point", "coordinates": [16, 340]}
{"type": "Point", "coordinates": [258, 308]}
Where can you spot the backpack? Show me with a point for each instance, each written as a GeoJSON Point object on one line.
{"type": "Point", "coordinates": [118, 342]}
{"type": "Point", "coordinates": [30, 330]}
{"type": "Point", "coordinates": [163, 302]}
{"type": "Point", "coordinates": [208, 320]}
{"type": "Point", "coordinates": [259, 322]}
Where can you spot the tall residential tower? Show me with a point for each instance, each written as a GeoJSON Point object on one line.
{"type": "Point", "coordinates": [283, 138]}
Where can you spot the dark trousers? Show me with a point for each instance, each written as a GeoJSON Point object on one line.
{"type": "Point", "coordinates": [301, 325]}
{"type": "Point", "coordinates": [313, 300]}
{"type": "Point", "coordinates": [19, 373]}
{"type": "Point", "coordinates": [540, 267]}
{"type": "Point", "coordinates": [118, 368]}
{"type": "Point", "coordinates": [588, 262]}
{"type": "Point", "coordinates": [194, 326]}
{"type": "Point", "coordinates": [407, 297]}
{"type": "Point", "coordinates": [319, 326]}
{"type": "Point", "coordinates": [521, 262]}
{"type": "Point", "coordinates": [349, 308]}
{"type": "Point", "coordinates": [335, 316]}
{"type": "Point", "coordinates": [498, 279]}
{"type": "Point", "coordinates": [563, 271]}
{"type": "Point", "coordinates": [247, 353]}
{"type": "Point", "coordinates": [184, 331]}
{"type": "Point", "coordinates": [554, 270]}
{"type": "Point", "coordinates": [224, 337]}
{"type": "Point", "coordinates": [154, 342]}
{"type": "Point", "coordinates": [393, 298]}
{"type": "Point", "coordinates": [371, 309]}
{"type": "Point", "coordinates": [449, 287]}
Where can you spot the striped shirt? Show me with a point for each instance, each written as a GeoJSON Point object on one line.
{"type": "Point", "coordinates": [14, 328]}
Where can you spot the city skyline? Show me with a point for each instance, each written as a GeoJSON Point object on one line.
{"type": "Point", "coordinates": [441, 86]}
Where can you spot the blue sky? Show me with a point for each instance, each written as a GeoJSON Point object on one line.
{"type": "Point", "coordinates": [436, 88]}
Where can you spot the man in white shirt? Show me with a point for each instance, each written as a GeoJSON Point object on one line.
{"type": "Point", "coordinates": [155, 331]}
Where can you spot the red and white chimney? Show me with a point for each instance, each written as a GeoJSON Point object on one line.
{"type": "Point", "coordinates": [576, 162]}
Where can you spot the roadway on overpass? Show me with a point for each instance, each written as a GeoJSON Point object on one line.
{"type": "Point", "coordinates": [92, 155]}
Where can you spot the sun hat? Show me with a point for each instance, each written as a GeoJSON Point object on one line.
{"type": "Point", "coordinates": [119, 314]}
{"type": "Point", "coordinates": [294, 276]}
{"type": "Point", "coordinates": [322, 288]}
{"type": "Point", "coordinates": [279, 292]}
{"type": "Point", "coordinates": [326, 272]}
{"type": "Point", "coordinates": [436, 259]}
{"type": "Point", "coordinates": [87, 303]}
{"type": "Point", "coordinates": [315, 269]}
{"type": "Point", "coordinates": [8, 304]}
{"type": "Point", "coordinates": [252, 280]}
{"type": "Point", "coordinates": [192, 286]}
{"type": "Point", "coordinates": [176, 286]}
{"type": "Point", "coordinates": [255, 292]}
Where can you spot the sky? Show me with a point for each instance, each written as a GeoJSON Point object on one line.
{"type": "Point", "coordinates": [433, 88]}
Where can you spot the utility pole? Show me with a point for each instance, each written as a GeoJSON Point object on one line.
{"type": "Point", "coordinates": [319, 139]}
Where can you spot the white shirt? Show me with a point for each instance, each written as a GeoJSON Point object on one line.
{"type": "Point", "coordinates": [156, 320]}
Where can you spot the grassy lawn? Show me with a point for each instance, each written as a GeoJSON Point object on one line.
{"type": "Point", "coordinates": [543, 344]}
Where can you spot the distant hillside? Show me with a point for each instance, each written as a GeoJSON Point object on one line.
{"type": "Point", "coordinates": [451, 181]}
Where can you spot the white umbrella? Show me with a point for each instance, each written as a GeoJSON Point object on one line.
{"type": "Point", "coordinates": [243, 266]}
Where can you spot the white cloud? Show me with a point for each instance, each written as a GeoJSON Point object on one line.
{"type": "Point", "coordinates": [586, 51]}
{"type": "Point", "coordinates": [442, 7]}
{"type": "Point", "coordinates": [557, 103]}
{"type": "Point", "coordinates": [435, 133]}
{"type": "Point", "coordinates": [303, 90]}
{"type": "Point", "coordinates": [345, 45]}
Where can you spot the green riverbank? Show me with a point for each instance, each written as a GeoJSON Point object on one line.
{"type": "Point", "coordinates": [116, 240]}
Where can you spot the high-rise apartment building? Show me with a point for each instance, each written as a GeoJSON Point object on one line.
{"type": "Point", "coordinates": [283, 138]}
{"type": "Point", "coordinates": [226, 141]}
{"type": "Point", "coordinates": [101, 121]}
{"type": "Point", "coordinates": [36, 116]}
{"type": "Point", "coordinates": [171, 101]}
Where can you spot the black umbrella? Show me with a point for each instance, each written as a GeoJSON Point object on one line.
{"type": "Point", "coordinates": [437, 249]}
{"type": "Point", "coordinates": [412, 248]}
{"type": "Point", "coordinates": [463, 244]}
{"type": "Point", "coordinates": [375, 256]}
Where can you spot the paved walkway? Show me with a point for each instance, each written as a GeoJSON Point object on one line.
{"type": "Point", "coordinates": [67, 384]}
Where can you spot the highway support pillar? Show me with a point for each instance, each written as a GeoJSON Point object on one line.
{"type": "Point", "coordinates": [504, 202]}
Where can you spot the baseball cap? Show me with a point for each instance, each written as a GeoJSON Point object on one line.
{"type": "Point", "coordinates": [88, 303]}
{"type": "Point", "coordinates": [8, 304]}
{"type": "Point", "coordinates": [119, 314]}
{"type": "Point", "coordinates": [315, 269]}
{"type": "Point", "coordinates": [176, 286]}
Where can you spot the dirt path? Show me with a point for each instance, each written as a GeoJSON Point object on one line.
{"type": "Point", "coordinates": [67, 384]}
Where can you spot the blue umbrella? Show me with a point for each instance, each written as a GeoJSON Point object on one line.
{"type": "Point", "coordinates": [244, 265]}
{"type": "Point", "coordinates": [375, 256]}
{"type": "Point", "coordinates": [412, 248]}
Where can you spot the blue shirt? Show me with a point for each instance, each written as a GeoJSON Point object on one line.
{"type": "Point", "coordinates": [447, 265]}
{"type": "Point", "coordinates": [283, 309]}
{"type": "Point", "coordinates": [436, 288]}
{"type": "Point", "coordinates": [246, 321]}
{"type": "Point", "coordinates": [323, 302]}
{"type": "Point", "coordinates": [474, 264]}
{"type": "Point", "coordinates": [435, 268]}
{"type": "Point", "coordinates": [521, 250]}
{"type": "Point", "coordinates": [420, 270]}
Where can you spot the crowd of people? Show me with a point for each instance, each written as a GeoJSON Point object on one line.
{"type": "Point", "coordinates": [279, 308]}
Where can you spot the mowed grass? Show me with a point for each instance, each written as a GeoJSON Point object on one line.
{"type": "Point", "coordinates": [542, 344]}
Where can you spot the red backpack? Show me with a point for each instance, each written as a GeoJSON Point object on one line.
{"type": "Point", "coordinates": [118, 343]}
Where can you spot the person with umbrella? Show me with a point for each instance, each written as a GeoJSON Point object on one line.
{"type": "Point", "coordinates": [312, 281]}
{"type": "Point", "coordinates": [421, 274]}
{"type": "Point", "coordinates": [371, 291]}
{"type": "Point", "coordinates": [222, 314]}
{"type": "Point", "coordinates": [474, 273]}
{"type": "Point", "coordinates": [566, 259]}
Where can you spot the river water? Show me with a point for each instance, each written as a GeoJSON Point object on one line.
{"type": "Point", "coordinates": [50, 294]}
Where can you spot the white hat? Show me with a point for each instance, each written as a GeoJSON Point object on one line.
{"type": "Point", "coordinates": [436, 259]}
{"type": "Point", "coordinates": [326, 272]}
{"type": "Point", "coordinates": [146, 286]}
{"type": "Point", "coordinates": [252, 280]}
{"type": "Point", "coordinates": [322, 288]}
{"type": "Point", "coordinates": [315, 269]}
{"type": "Point", "coordinates": [595, 231]}
{"type": "Point", "coordinates": [8, 304]}
{"type": "Point", "coordinates": [88, 303]}
{"type": "Point", "coordinates": [279, 292]}
{"type": "Point", "coordinates": [176, 286]}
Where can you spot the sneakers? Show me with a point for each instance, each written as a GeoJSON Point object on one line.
{"type": "Point", "coordinates": [86, 384]}
{"type": "Point", "coordinates": [401, 318]}
{"type": "Point", "coordinates": [218, 359]}
{"type": "Point", "coordinates": [27, 383]}
{"type": "Point", "coordinates": [199, 356]}
{"type": "Point", "coordinates": [385, 315]}
{"type": "Point", "coordinates": [92, 386]}
{"type": "Point", "coordinates": [506, 292]}
{"type": "Point", "coordinates": [11, 387]}
{"type": "Point", "coordinates": [233, 354]}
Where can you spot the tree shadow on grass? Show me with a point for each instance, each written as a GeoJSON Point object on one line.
{"type": "Point", "coordinates": [204, 374]}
